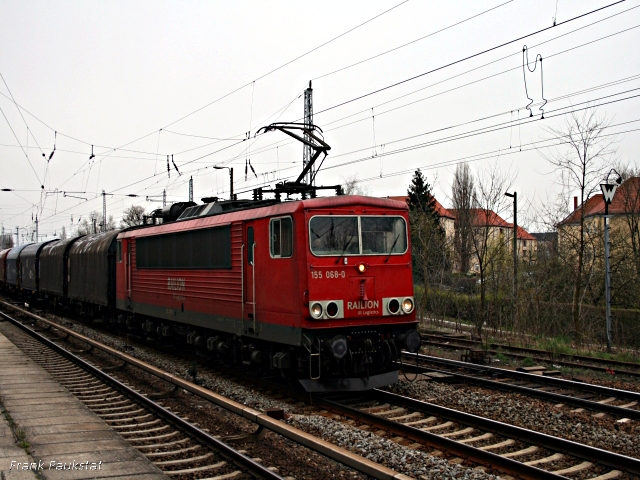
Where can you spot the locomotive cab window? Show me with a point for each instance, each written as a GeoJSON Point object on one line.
{"type": "Point", "coordinates": [119, 251]}
{"type": "Point", "coordinates": [281, 230]}
{"type": "Point", "coordinates": [383, 235]}
{"type": "Point", "coordinates": [357, 235]}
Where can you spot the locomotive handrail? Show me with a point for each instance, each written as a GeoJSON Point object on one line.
{"type": "Point", "coordinates": [323, 447]}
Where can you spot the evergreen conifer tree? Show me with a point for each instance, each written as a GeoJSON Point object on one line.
{"type": "Point", "coordinates": [420, 198]}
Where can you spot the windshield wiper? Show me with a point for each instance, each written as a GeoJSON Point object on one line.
{"type": "Point", "coordinates": [345, 247]}
{"type": "Point", "coordinates": [392, 247]}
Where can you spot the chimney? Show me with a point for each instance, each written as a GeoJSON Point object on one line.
{"type": "Point", "coordinates": [575, 203]}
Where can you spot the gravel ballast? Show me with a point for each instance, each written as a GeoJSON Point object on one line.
{"type": "Point", "coordinates": [530, 413]}
{"type": "Point", "coordinates": [403, 459]}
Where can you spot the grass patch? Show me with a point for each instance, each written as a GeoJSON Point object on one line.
{"type": "Point", "coordinates": [19, 434]}
{"type": "Point", "coordinates": [527, 362]}
{"type": "Point", "coordinates": [503, 358]}
{"type": "Point", "coordinates": [630, 357]}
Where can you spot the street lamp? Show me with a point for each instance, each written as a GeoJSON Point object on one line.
{"type": "Point", "coordinates": [217, 167]}
{"type": "Point", "coordinates": [608, 191]}
{"type": "Point", "coordinates": [514, 195]}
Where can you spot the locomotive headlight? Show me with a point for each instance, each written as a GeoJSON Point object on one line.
{"type": "Point", "coordinates": [393, 306]}
{"type": "Point", "coordinates": [361, 268]}
{"type": "Point", "coordinates": [316, 310]}
{"type": "Point", "coordinates": [407, 305]}
{"type": "Point", "coordinates": [332, 309]}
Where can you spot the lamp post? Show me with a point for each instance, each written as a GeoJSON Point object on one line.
{"type": "Point", "coordinates": [514, 195]}
{"type": "Point", "coordinates": [608, 191]}
{"type": "Point", "coordinates": [231, 197]}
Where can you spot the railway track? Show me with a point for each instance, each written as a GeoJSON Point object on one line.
{"type": "Point", "coordinates": [455, 342]}
{"type": "Point", "coordinates": [499, 446]}
{"type": "Point", "coordinates": [623, 404]}
{"type": "Point", "coordinates": [263, 420]}
{"type": "Point", "coordinates": [176, 446]}
{"type": "Point", "coordinates": [521, 452]}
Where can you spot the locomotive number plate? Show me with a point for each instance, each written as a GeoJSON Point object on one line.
{"type": "Point", "coordinates": [318, 274]}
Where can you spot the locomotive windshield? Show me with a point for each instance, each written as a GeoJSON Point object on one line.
{"type": "Point", "coordinates": [357, 235]}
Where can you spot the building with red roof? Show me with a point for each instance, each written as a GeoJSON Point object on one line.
{"type": "Point", "coordinates": [625, 201]}
{"type": "Point", "coordinates": [499, 230]}
{"type": "Point", "coordinates": [624, 212]}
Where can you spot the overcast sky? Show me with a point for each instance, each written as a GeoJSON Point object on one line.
{"type": "Point", "coordinates": [142, 80]}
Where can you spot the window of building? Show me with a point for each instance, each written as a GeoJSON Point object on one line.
{"type": "Point", "coordinates": [281, 230]}
{"type": "Point", "coordinates": [119, 251]}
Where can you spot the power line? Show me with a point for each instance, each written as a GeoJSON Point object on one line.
{"type": "Point", "coordinates": [455, 137]}
{"type": "Point", "coordinates": [509, 123]}
{"type": "Point", "coordinates": [20, 112]}
{"type": "Point", "coordinates": [283, 65]}
{"type": "Point", "coordinates": [411, 42]}
{"type": "Point", "coordinates": [465, 59]}
{"type": "Point", "coordinates": [266, 148]}
{"type": "Point", "coordinates": [488, 155]}
{"type": "Point", "coordinates": [475, 157]}
{"type": "Point", "coordinates": [200, 136]}
{"type": "Point", "coordinates": [23, 151]}
{"type": "Point", "coordinates": [483, 130]}
{"type": "Point", "coordinates": [476, 132]}
{"type": "Point", "coordinates": [481, 79]}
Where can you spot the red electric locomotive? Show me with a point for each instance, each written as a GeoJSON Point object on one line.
{"type": "Point", "coordinates": [321, 288]}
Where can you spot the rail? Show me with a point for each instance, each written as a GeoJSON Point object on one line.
{"type": "Point", "coordinates": [323, 447]}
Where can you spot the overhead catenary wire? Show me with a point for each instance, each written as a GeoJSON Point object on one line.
{"type": "Point", "coordinates": [465, 134]}
{"type": "Point", "coordinates": [561, 97]}
{"type": "Point", "coordinates": [476, 132]}
{"type": "Point", "coordinates": [20, 112]}
{"type": "Point", "coordinates": [120, 148]}
{"type": "Point", "coordinates": [374, 142]}
{"type": "Point", "coordinates": [484, 130]}
{"type": "Point", "coordinates": [564, 96]}
{"type": "Point", "coordinates": [464, 59]}
{"type": "Point", "coordinates": [263, 76]}
{"type": "Point", "coordinates": [488, 154]}
{"type": "Point", "coordinates": [411, 42]}
{"type": "Point", "coordinates": [279, 67]}
{"type": "Point", "coordinates": [23, 151]}
{"type": "Point", "coordinates": [287, 142]}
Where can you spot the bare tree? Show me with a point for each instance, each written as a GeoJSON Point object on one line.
{"type": "Point", "coordinates": [7, 241]}
{"type": "Point", "coordinates": [462, 193]}
{"type": "Point", "coordinates": [629, 192]}
{"type": "Point", "coordinates": [132, 216]}
{"type": "Point", "coordinates": [489, 238]}
{"type": "Point", "coordinates": [580, 159]}
{"type": "Point", "coordinates": [351, 185]}
{"type": "Point", "coordinates": [94, 224]}
{"type": "Point", "coordinates": [427, 235]}
{"type": "Point", "coordinates": [63, 233]}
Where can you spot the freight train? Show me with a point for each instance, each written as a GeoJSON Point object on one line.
{"type": "Point", "coordinates": [319, 289]}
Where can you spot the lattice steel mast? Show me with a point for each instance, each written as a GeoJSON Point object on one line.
{"type": "Point", "coordinates": [307, 152]}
